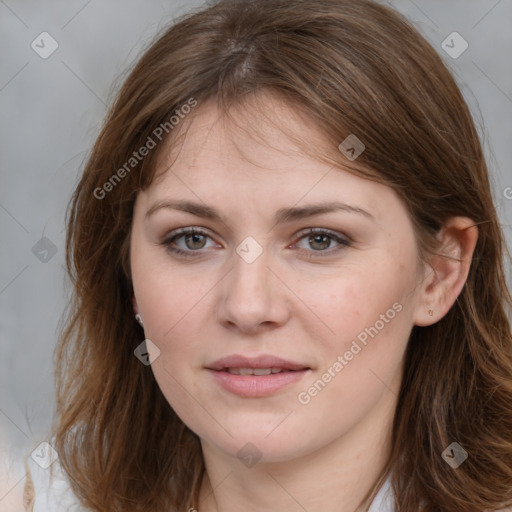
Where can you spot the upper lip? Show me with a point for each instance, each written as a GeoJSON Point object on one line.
{"type": "Point", "coordinates": [262, 361]}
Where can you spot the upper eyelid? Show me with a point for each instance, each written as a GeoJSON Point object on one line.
{"type": "Point", "coordinates": [206, 231]}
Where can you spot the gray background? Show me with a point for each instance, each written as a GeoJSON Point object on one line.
{"type": "Point", "coordinates": [51, 111]}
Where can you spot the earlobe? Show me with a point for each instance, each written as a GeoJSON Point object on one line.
{"type": "Point", "coordinates": [450, 267]}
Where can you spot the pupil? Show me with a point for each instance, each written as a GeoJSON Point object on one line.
{"type": "Point", "coordinates": [195, 237]}
{"type": "Point", "coordinates": [318, 239]}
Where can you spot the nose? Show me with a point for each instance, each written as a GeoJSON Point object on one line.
{"type": "Point", "coordinates": [253, 298]}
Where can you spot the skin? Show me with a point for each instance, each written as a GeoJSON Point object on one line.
{"type": "Point", "coordinates": [302, 308]}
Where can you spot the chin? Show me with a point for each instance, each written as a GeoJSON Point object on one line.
{"type": "Point", "coordinates": [257, 444]}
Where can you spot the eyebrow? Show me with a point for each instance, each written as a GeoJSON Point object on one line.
{"type": "Point", "coordinates": [283, 215]}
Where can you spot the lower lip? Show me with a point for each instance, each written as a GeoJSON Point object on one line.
{"type": "Point", "coordinates": [254, 386]}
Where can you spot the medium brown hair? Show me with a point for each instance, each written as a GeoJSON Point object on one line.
{"type": "Point", "coordinates": [356, 67]}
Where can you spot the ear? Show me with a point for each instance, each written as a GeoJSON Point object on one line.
{"type": "Point", "coordinates": [134, 303]}
{"type": "Point", "coordinates": [446, 274]}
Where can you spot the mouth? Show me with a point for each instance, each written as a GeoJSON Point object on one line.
{"type": "Point", "coordinates": [257, 376]}
{"type": "Point", "coordinates": [256, 371]}
{"type": "Point", "coordinates": [259, 365]}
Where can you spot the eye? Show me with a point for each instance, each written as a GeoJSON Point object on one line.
{"type": "Point", "coordinates": [320, 239]}
{"type": "Point", "coordinates": [193, 238]}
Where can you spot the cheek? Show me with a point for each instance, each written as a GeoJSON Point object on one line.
{"type": "Point", "coordinates": [365, 321]}
{"type": "Point", "coordinates": [361, 363]}
{"type": "Point", "coordinates": [355, 298]}
{"type": "Point", "coordinates": [169, 296]}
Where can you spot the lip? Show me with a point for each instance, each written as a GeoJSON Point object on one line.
{"type": "Point", "coordinates": [256, 386]}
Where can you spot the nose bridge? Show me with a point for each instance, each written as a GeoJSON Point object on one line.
{"type": "Point", "coordinates": [251, 292]}
{"type": "Point", "coordinates": [250, 276]}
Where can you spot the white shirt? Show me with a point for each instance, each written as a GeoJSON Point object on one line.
{"type": "Point", "coordinates": [59, 497]}
{"type": "Point", "coordinates": [384, 501]}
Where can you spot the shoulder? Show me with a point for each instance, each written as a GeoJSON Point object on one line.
{"type": "Point", "coordinates": [47, 491]}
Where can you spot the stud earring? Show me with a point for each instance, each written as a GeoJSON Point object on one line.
{"type": "Point", "coordinates": [430, 312]}
{"type": "Point", "coordinates": [139, 319]}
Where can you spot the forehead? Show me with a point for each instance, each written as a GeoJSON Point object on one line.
{"type": "Point", "coordinates": [257, 156]}
{"type": "Point", "coordinates": [261, 130]}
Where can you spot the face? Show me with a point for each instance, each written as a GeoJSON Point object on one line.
{"type": "Point", "coordinates": [320, 305]}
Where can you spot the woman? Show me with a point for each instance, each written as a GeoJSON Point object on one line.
{"type": "Point", "coordinates": [289, 203]}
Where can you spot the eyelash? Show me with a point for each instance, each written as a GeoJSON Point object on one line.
{"type": "Point", "coordinates": [344, 242]}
